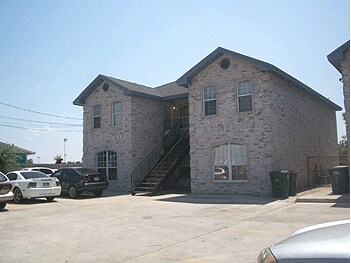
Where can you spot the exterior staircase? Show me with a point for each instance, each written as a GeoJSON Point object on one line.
{"type": "Point", "coordinates": [148, 178]}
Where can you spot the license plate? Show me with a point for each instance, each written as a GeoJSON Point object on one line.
{"type": "Point", "coordinates": [46, 184]}
{"type": "Point", "coordinates": [96, 179]}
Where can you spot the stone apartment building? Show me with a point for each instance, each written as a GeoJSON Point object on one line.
{"type": "Point", "coordinates": [340, 59]}
{"type": "Point", "coordinates": [241, 117]}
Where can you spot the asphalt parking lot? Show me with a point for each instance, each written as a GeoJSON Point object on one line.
{"type": "Point", "coordinates": [165, 228]}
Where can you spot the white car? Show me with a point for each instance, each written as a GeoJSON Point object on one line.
{"type": "Point", "coordinates": [329, 243]}
{"type": "Point", "coordinates": [44, 170]}
{"type": "Point", "coordinates": [33, 184]}
{"type": "Point", "coordinates": [5, 190]}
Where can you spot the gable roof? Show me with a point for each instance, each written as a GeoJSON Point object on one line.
{"type": "Point", "coordinates": [338, 54]}
{"type": "Point", "coordinates": [164, 92]}
{"type": "Point", "coordinates": [186, 79]}
{"type": "Point", "coordinates": [172, 91]}
{"type": "Point", "coordinates": [17, 149]}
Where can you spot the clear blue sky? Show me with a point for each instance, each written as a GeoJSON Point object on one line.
{"type": "Point", "coordinates": [51, 50]}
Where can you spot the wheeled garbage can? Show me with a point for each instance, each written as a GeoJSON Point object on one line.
{"type": "Point", "coordinates": [340, 179]}
{"type": "Point", "coordinates": [292, 182]}
{"type": "Point", "coordinates": [280, 184]}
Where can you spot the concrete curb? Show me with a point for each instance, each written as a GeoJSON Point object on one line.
{"type": "Point", "coordinates": [322, 195]}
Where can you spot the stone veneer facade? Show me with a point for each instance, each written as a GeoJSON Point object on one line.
{"type": "Point", "coordinates": [287, 124]}
{"type": "Point", "coordinates": [285, 127]}
{"type": "Point", "coordinates": [141, 130]}
{"type": "Point", "coordinates": [345, 71]}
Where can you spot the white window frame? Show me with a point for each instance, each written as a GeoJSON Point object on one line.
{"type": "Point", "coordinates": [117, 114]}
{"type": "Point", "coordinates": [247, 93]}
{"type": "Point", "coordinates": [107, 161]}
{"type": "Point", "coordinates": [96, 115]}
{"type": "Point", "coordinates": [230, 162]}
{"type": "Point", "coordinates": [207, 98]}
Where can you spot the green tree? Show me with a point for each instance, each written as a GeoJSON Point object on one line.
{"type": "Point", "coordinates": [58, 159]}
{"type": "Point", "coordinates": [8, 158]}
{"type": "Point", "coordinates": [343, 147]}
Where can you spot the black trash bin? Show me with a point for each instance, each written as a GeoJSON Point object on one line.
{"type": "Point", "coordinates": [340, 179]}
{"type": "Point", "coordinates": [292, 182]}
{"type": "Point", "coordinates": [280, 184]}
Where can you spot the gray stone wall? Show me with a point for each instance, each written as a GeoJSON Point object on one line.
{"type": "Point", "coordinates": [140, 132]}
{"type": "Point", "coordinates": [108, 137]}
{"type": "Point", "coordinates": [147, 127]}
{"type": "Point", "coordinates": [268, 131]}
{"type": "Point", "coordinates": [302, 126]}
{"type": "Point", "coordinates": [345, 68]}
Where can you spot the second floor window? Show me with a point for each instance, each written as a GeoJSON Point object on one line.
{"type": "Point", "coordinates": [210, 101]}
{"type": "Point", "coordinates": [245, 96]}
{"type": "Point", "coordinates": [97, 116]}
{"type": "Point", "coordinates": [117, 114]}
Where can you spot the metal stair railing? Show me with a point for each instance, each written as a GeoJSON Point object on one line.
{"type": "Point", "coordinates": [155, 187]}
{"type": "Point", "coordinates": [157, 154]}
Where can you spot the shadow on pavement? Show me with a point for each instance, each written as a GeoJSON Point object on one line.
{"type": "Point", "coordinates": [87, 195]}
{"type": "Point", "coordinates": [343, 201]}
{"type": "Point", "coordinates": [35, 201]}
{"type": "Point", "coordinates": [219, 199]}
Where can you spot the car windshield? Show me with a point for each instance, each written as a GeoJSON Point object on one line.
{"type": "Point", "coordinates": [86, 171]}
{"type": "Point", "coordinates": [33, 174]}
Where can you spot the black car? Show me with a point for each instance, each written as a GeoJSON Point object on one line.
{"type": "Point", "coordinates": [76, 180]}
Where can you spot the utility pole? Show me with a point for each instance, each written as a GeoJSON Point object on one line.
{"type": "Point", "coordinates": [64, 149]}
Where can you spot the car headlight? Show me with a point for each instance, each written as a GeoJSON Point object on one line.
{"type": "Point", "coordinates": [266, 256]}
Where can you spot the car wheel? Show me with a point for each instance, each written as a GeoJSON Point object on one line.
{"type": "Point", "coordinates": [2, 205]}
{"type": "Point", "coordinates": [98, 193]}
{"type": "Point", "coordinates": [17, 196]}
{"type": "Point", "coordinates": [50, 199]}
{"type": "Point", "coordinates": [72, 192]}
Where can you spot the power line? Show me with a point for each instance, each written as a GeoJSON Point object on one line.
{"type": "Point", "coordinates": [44, 122]}
{"type": "Point", "coordinates": [38, 112]}
{"type": "Point", "coordinates": [36, 129]}
{"type": "Point", "coordinates": [40, 126]}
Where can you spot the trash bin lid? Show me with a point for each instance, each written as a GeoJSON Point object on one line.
{"type": "Point", "coordinates": [340, 167]}
{"type": "Point", "coordinates": [288, 172]}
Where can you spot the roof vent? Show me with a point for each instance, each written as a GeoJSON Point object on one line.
{"type": "Point", "coordinates": [225, 63]}
{"type": "Point", "coordinates": [105, 87]}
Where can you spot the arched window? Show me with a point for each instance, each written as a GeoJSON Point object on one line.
{"type": "Point", "coordinates": [107, 164]}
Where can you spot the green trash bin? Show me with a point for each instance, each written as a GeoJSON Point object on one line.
{"type": "Point", "coordinates": [340, 179]}
{"type": "Point", "coordinates": [280, 184]}
{"type": "Point", "coordinates": [292, 182]}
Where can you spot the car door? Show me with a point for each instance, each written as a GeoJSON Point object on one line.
{"type": "Point", "coordinates": [73, 177]}
{"type": "Point", "coordinates": [60, 175]}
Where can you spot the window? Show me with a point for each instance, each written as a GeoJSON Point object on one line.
{"type": "Point", "coordinates": [245, 96]}
{"type": "Point", "coordinates": [107, 164]}
{"type": "Point", "coordinates": [97, 116]}
{"type": "Point", "coordinates": [210, 101]}
{"type": "Point", "coordinates": [2, 178]}
{"type": "Point", "coordinates": [12, 176]}
{"type": "Point", "coordinates": [117, 114]}
{"type": "Point", "coordinates": [230, 162]}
